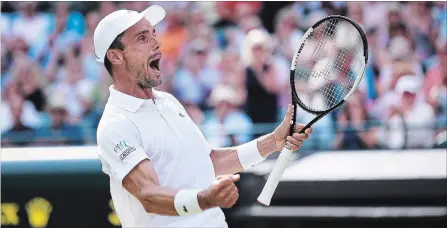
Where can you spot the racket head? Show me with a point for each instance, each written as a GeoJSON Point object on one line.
{"type": "Point", "coordinates": [329, 65]}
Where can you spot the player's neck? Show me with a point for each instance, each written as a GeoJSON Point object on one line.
{"type": "Point", "coordinates": [133, 90]}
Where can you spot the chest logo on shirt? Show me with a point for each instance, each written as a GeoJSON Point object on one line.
{"type": "Point", "coordinates": [124, 148]}
{"type": "Point", "coordinates": [181, 114]}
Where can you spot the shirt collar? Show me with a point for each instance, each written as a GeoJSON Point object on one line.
{"type": "Point", "coordinates": [128, 102]}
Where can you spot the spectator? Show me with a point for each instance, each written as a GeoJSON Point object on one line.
{"type": "Point", "coordinates": [31, 26]}
{"type": "Point", "coordinates": [400, 52]}
{"type": "Point", "coordinates": [369, 83]}
{"type": "Point", "coordinates": [174, 36]}
{"type": "Point", "coordinates": [226, 18]}
{"type": "Point", "coordinates": [92, 69]}
{"type": "Point", "coordinates": [227, 125]}
{"type": "Point", "coordinates": [435, 85]}
{"type": "Point", "coordinates": [195, 75]}
{"type": "Point", "coordinates": [59, 131]}
{"type": "Point", "coordinates": [354, 130]}
{"type": "Point", "coordinates": [286, 31]}
{"type": "Point", "coordinates": [261, 84]}
{"type": "Point", "coordinates": [232, 71]}
{"type": "Point", "coordinates": [382, 106]}
{"type": "Point", "coordinates": [29, 81]}
{"type": "Point", "coordinates": [77, 90]}
{"type": "Point", "coordinates": [355, 12]}
{"type": "Point", "coordinates": [421, 24]}
{"type": "Point", "coordinates": [417, 114]}
{"type": "Point", "coordinates": [107, 7]}
{"type": "Point", "coordinates": [375, 16]}
{"type": "Point", "coordinates": [437, 73]}
{"type": "Point", "coordinates": [15, 114]}
{"type": "Point", "coordinates": [15, 109]}
{"type": "Point", "coordinates": [68, 26]}
{"type": "Point", "coordinates": [286, 40]}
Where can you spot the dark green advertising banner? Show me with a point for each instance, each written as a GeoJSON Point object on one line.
{"type": "Point", "coordinates": [72, 193]}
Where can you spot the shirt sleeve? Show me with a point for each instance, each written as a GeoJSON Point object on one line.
{"type": "Point", "coordinates": [120, 147]}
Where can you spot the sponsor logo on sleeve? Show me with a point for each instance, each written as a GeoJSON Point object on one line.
{"type": "Point", "coordinates": [124, 148]}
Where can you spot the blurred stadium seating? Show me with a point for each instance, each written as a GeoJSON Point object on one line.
{"type": "Point", "coordinates": [235, 86]}
{"type": "Point", "coordinates": [53, 90]}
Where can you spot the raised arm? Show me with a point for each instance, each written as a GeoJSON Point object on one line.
{"type": "Point", "coordinates": [226, 160]}
{"type": "Point", "coordinates": [236, 159]}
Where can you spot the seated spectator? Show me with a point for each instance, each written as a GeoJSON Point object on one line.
{"type": "Point", "coordinates": [420, 22]}
{"type": "Point", "coordinates": [17, 111]}
{"type": "Point", "coordinates": [68, 26]}
{"type": "Point", "coordinates": [416, 115]}
{"type": "Point", "coordinates": [383, 103]}
{"type": "Point", "coordinates": [59, 131]}
{"type": "Point", "coordinates": [400, 51]}
{"type": "Point", "coordinates": [438, 72]}
{"type": "Point", "coordinates": [92, 68]}
{"type": "Point", "coordinates": [232, 71]}
{"type": "Point", "coordinates": [435, 87]}
{"type": "Point", "coordinates": [29, 83]}
{"type": "Point", "coordinates": [174, 36]}
{"type": "Point", "coordinates": [227, 125]}
{"type": "Point", "coordinates": [17, 133]}
{"type": "Point", "coordinates": [287, 37]}
{"type": "Point", "coordinates": [32, 26]}
{"type": "Point", "coordinates": [195, 75]}
{"type": "Point", "coordinates": [354, 131]}
{"type": "Point", "coordinates": [77, 91]}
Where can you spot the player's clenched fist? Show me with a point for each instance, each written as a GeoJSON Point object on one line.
{"type": "Point", "coordinates": [222, 193]}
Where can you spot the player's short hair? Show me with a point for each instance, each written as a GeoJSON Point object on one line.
{"type": "Point", "coordinates": [116, 44]}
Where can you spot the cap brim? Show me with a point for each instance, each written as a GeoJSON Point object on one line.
{"type": "Point", "coordinates": [154, 14]}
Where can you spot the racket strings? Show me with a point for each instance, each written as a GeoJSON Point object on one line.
{"type": "Point", "coordinates": [330, 71]}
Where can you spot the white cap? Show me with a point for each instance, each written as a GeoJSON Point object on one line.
{"type": "Point", "coordinates": [117, 22]}
{"type": "Point", "coordinates": [407, 83]}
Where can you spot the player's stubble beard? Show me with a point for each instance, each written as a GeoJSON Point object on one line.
{"type": "Point", "coordinates": [143, 78]}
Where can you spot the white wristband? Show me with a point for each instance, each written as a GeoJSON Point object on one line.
{"type": "Point", "coordinates": [249, 155]}
{"type": "Point", "coordinates": [186, 202]}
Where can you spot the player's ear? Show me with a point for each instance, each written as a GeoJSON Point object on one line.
{"type": "Point", "coordinates": [115, 56]}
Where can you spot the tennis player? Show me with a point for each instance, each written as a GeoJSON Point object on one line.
{"type": "Point", "coordinates": [162, 171]}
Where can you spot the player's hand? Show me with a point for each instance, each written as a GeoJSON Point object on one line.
{"type": "Point", "coordinates": [281, 133]}
{"type": "Point", "coordinates": [222, 193]}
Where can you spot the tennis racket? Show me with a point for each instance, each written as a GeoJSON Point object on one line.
{"type": "Point", "coordinates": [325, 71]}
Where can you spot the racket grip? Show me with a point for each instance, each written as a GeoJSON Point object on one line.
{"type": "Point", "coordinates": [274, 177]}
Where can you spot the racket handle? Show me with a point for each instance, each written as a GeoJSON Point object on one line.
{"type": "Point", "coordinates": [274, 177]}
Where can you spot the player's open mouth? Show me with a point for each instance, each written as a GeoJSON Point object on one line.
{"type": "Point", "coordinates": [155, 65]}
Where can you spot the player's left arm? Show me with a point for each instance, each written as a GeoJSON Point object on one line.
{"type": "Point", "coordinates": [236, 159]}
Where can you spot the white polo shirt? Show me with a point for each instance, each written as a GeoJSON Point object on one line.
{"type": "Point", "coordinates": [159, 129]}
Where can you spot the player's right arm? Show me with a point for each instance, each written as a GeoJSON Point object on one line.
{"type": "Point", "coordinates": [142, 182]}
{"type": "Point", "coordinates": [121, 150]}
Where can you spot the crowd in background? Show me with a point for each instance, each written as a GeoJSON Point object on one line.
{"type": "Point", "coordinates": [228, 63]}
